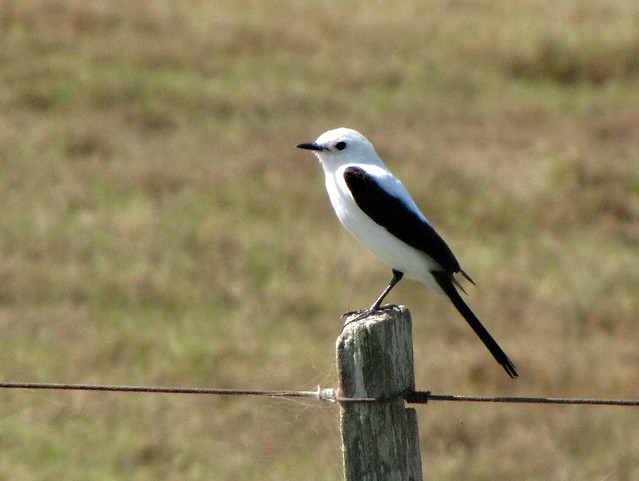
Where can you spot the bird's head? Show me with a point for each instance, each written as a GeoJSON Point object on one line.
{"type": "Point", "coordinates": [342, 146]}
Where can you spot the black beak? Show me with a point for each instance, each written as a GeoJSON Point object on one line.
{"type": "Point", "coordinates": [310, 146]}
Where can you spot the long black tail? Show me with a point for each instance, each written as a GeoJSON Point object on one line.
{"type": "Point", "coordinates": [445, 282]}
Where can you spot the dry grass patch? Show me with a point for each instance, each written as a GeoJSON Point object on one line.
{"type": "Point", "coordinates": [159, 227]}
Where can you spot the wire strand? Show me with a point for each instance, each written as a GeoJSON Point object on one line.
{"type": "Point", "coordinates": [423, 397]}
{"type": "Point", "coordinates": [323, 394]}
{"type": "Point", "coordinates": [162, 390]}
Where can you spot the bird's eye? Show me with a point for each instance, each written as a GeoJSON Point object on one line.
{"type": "Point", "coordinates": [340, 145]}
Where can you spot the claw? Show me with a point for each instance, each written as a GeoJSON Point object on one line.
{"type": "Point", "coordinates": [362, 313]}
{"type": "Point", "coordinates": [359, 315]}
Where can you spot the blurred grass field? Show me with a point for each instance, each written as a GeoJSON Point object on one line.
{"type": "Point", "coordinates": [158, 227]}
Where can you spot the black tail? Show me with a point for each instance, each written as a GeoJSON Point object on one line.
{"type": "Point", "coordinates": [445, 282]}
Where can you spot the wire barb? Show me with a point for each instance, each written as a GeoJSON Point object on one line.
{"type": "Point", "coordinates": [327, 394]}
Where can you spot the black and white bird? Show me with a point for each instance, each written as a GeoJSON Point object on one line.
{"type": "Point", "coordinates": [374, 206]}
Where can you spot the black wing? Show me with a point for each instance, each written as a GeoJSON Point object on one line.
{"type": "Point", "coordinates": [397, 218]}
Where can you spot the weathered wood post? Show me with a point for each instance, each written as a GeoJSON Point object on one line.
{"type": "Point", "coordinates": [380, 440]}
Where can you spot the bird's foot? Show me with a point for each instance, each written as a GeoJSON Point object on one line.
{"type": "Point", "coordinates": [354, 316]}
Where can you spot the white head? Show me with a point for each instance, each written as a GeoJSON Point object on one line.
{"type": "Point", "coordinates": [342, 146]}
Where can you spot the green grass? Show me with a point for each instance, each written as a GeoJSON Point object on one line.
{"type": "Point", "coordinates": [158, 226]}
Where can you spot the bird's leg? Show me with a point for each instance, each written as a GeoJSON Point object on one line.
{"type": "Point", "coordinates": [397, 276]}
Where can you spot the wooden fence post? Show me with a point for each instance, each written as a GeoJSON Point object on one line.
{"type": "Point", "coordinates": [380, 440]}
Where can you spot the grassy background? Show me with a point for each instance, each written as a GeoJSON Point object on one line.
{"type": "Point", "coordinates": [157, 226]}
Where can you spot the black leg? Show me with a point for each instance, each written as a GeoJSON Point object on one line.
{"type": "Point", "coordinates": [397, 276]}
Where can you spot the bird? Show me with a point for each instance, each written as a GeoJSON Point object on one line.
{"type": "Point", "coordinates": [376, 209]}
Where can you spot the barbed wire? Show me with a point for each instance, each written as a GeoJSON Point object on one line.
{"type": "Point", "coordinates": [159, 390]}
{"type": "Point", "coordinates": [322, 394]}
{"type": "Point", "coordinates": [423, 397]}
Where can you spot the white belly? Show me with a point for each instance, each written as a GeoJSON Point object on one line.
{"type": "Point", "coordinates": [397, 254]}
